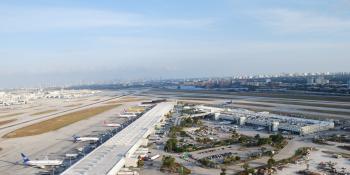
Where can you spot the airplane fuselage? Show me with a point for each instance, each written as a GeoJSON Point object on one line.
{"type": "Point", "coordinates": [44, 163]}
{"type": "Point", "coordinates": [127, 115]}
{"type": "Point", "coordinates": [85, 139]}
{"type": "Point", "coordinates": [112, 125]}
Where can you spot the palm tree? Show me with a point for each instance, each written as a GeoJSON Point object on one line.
{"type": "Point", "coordinates": [246, 167]}
{"type": "Point", "coordinates": [271, 162]}
{"type": "Point", "coordinates": [223, 171]}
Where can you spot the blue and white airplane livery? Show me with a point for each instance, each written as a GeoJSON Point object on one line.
{"type": "Point", "coordinates": [40, 163]}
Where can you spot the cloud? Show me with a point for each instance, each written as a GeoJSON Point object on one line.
{"type": "Point", "coordinates": [290, 21]}
{"type": "Point", "coordinates": [138, 52]}
{"type": "Point", "coordinates": [14, 19]}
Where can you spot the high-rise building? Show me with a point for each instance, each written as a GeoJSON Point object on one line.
{"type": "Point", "coordinates": [320, 80]}
{"type": "Point", "coordinates": [310, 80]}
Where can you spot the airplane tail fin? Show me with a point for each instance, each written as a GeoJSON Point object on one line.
{"type": "Point", "coordinates": [75, 138]}
{"type": "Point", "coordinates": [25, 158]}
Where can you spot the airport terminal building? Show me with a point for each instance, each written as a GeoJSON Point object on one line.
{"type": "Point", "coordinates": [273, 122]}
{"type": "Point", "coordinates": [124, 148]}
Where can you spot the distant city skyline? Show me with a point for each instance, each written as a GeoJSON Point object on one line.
{"type": "Point", "coordinates": [66, 83]}
{"type": "Point", "coordinates": [68, 42]}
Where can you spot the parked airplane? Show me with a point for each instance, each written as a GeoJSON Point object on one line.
{"type": "Point", "coordinates": [72, 155]}
{"type": "Point", "coordinates": [127, 115]}
{"type": "Point", "coordinates": [40, 163]}
{"type": "Point", "coordinates": [85, 139]}
{"type": "Point", "coordinates": [111, 124]}
{"type": "Point", "coordinates": [144, 105]}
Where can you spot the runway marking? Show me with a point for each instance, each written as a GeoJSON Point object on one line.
{"type": "Point", "coordinates": [58, 122]}
{"type": "Point", "coordinates": [57, 113]}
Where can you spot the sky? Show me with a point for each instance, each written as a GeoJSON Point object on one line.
{"type": "Point", "coordinates": [45, 42]}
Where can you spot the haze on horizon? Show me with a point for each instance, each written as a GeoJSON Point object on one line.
{"type": "Point", "coordinates": [62, 42]}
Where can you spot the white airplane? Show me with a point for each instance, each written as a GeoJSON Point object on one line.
{"type": "Point", "coordinates": [144, 105]}
{"type": "Point", "coordinates": [111, 124]}
{"type": "Point", "coordinates": [72, 155]}
{"type": "Point", "coordinates": [85, 139]}
{"type": "Point", "coordinates": [40, 163]}
{"type": "Point", "coordinates": [127, 115]}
